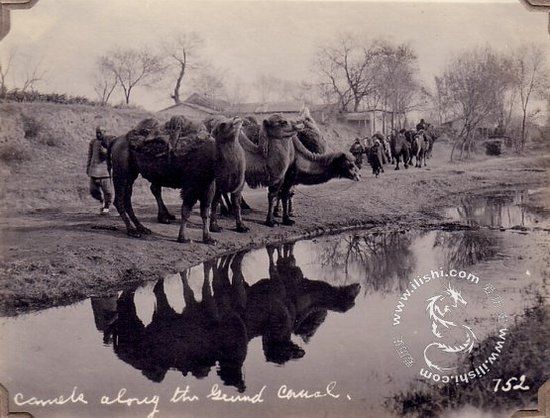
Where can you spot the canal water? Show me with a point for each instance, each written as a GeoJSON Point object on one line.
{"type": "Point", "coordinates": [301, 329]}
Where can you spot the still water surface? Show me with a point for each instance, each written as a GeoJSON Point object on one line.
{"type": "Point", "coordinates": [299, 316]}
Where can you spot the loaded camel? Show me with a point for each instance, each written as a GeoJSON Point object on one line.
{"type": "Point", "coordinates": [312, 139]}
{"type": "Point", "coordinates": [309, 169]}
{"type": "Point", "coordinates": [277, 153]}
{"type": "Point", "coordinates": [180, 158]}
{"type": "Point", "coordinates": [400, 148]}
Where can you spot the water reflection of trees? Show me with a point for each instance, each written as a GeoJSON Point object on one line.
{"type": "Point", "coordinates": [494, 211]}
{"type": "Point", "coordinates": [466, 248]}
{"type": "Point", "coordinates": [386, 260]}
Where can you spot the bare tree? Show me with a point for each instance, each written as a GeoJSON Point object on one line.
{"type": "Point", "coordinates": [182, 54]}
{"type": "Point", "coordinates": [33, 74]}
{"type": "Point", "coordinates": [105, 82]}
{"type": "Point", "coordinates": [473, 85]}
{"type": "Point", "coordinates": [349, 70]}
{"type": "Point", "coordinates": [236, 90]}
{"type": "Point", "coordinates": [530, 75]}
{"type": "Point", "coordinates": [133, 67]}
{"type": "Point", "coordinates": [397, 90]}
{"type": "Point", "coordinates": [266, 87]}
{"type": "Point", "coordinates": [5, 67]}
{"type": "Point", "coordinates": [210, 83]}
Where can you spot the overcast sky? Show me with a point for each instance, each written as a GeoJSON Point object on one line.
{"type": "Point", "coordinates": [251, 38]}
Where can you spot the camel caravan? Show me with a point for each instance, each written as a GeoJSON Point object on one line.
{"type": "Point", "coordinates": [399, 146]}
{"type": "Point", "coordinates": [210, 162]}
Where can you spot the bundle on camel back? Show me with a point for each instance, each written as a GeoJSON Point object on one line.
{"type": "Point", "coordinates": [180, 155]}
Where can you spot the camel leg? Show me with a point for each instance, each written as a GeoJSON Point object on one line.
{"type": "Point", "coordinates": [141, 229]}
{"type": "Point", "coordinates": [207, 297]}
{"type": "Point", "coordinates": [225, 205]}
{"type": "Point", "coordinates": [214, 227]}
{"type": "Point", "coordinates": [237, 197]}
{"type": "Point", "coordinates": [244, 205]}
{"type": "Point", "coordinates": [188, 294]}
{"type": "Point", "coordinates": [188, 201]}
{"type": "Point", "coordinates": [129, 329]}
{"type": "Point", "coordinates": [163, 310]}
{"type": "Point", "coordinates": [205, 205]}
{"type": "Point", "coordinates": [238, 284]}
{"type": "Point", "coordinates": [273, 192]}
{"type": "Point", "coordinates": [285, 199]}
{"type": "Point", "coordinates": [290, 203]}
{"type": "Point", "coordinates": [163, 215]}
{"type": "Point", "coordinates": [122, 185]}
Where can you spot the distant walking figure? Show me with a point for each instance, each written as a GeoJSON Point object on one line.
{"type": "Point", "coordinates": [357, 150]}
{"type": "Point", "coordinates": [98, 171]}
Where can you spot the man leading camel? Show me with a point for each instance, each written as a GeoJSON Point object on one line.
{"type": "Point", "coordinates": [98, 171]}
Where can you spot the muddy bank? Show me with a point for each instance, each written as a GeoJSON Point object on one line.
{"type": "Point", "coordinates": [60, 255]}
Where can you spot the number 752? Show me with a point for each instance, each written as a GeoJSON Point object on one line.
{"type": "Point", "coordinates": [506, 387]}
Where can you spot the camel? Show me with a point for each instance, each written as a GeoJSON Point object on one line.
{"type": "Point", "coordinates": [268, 161]}
{"type": "Point", "coordinates": [186, 158]}
{"type": "Point", "coordinates": [309, 169]}
{"type": "Point", "coordinates": [400, 147]}
{"type": "Point", "coordinates": [420, 146]}
{"type": "Point", "coordinates": [312, 139]}
{"type": "Point", "coordinates": [309, 135]}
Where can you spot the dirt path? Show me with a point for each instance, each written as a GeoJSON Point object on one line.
{"type": "Point", "coordinates": [54, 257]}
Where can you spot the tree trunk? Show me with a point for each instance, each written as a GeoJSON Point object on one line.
{"type": "Point", "coordinates": [523, 121]}
{"type": "Point", "coordinates": [176, 94]}
{"type": "Point", "coordinates": [127, 95]}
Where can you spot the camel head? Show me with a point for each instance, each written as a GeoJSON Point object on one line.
{"type": "Point", "coordinates": [227, 130]}
{"type": "Point", "coordinates": [322, 297]}
{"type": "Point", "coordinates": [345, 166]}
{"type": "Point", "coordinates": [277, 126]}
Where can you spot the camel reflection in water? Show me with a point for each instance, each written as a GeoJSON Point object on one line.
{"type": "Point", "coordinates": [216, 331]}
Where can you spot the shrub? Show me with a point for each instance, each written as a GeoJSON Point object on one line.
{"type": "Point", "coordinates": [31, 126]}
{"type": "Point", "coordinates": [14, 153]}
{"type": "Point", "coordinates": [50, 140]}
{"type": "Point", "coordinates": [16, 95]}
{"type": "Point", "coordinates": [493, 148]}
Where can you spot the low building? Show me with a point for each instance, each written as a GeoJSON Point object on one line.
{"type": "Point", "coordinates": [196, 107]}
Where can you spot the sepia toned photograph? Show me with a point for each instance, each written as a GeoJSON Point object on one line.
{"type": "Point", "coordinates": [274, 208]}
